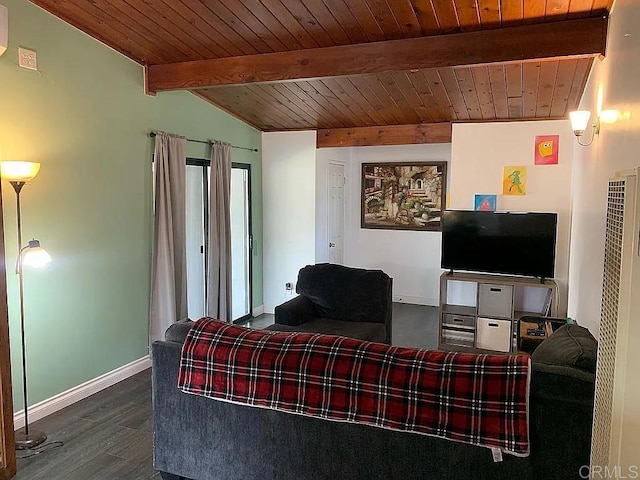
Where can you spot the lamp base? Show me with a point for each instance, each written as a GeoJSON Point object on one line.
{"type": "Point", "coordinates": [33, 439]}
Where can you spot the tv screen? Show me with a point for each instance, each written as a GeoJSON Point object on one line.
{"type": "Point", "coordinates": [491, 242]}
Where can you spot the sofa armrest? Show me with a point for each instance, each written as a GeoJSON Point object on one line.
{"type": "Point", "coordinates": [296, 311]}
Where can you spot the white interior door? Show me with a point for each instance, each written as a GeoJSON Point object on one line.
{"type": "Point", "coordinates": [335, 223]}
{"type": "Point", "coordinates": [240, 244]}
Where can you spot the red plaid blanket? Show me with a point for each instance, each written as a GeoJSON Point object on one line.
{"type": "Point", "coordinates": [476, 399]}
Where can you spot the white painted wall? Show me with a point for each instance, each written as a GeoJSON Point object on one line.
{"type": "Point", "coordinates": [479, 153]}
{"type": "Point", "coordinates": [616, 148]}
{"type": "Point", "coordinates": [289, 186]}
{"type": "Point", "coordinates": [412, 259]}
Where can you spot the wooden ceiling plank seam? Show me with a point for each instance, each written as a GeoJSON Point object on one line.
{"type": "Point", "coordinates": [232, 105]}
{"type": "Point", "coordinates": [566, 73]}
{"type": "Point", "coordinates": [583, 68]}
{"type": "Point", "coordinates": [363, 14]}
{"type": "Point", "coordinates": [391, 107]}
{"type": "Point", "coordinates": [406, 17]}
{"type": "Point", "coordinates": [447, 15]}
{"type": "Point", "coordinates": [336, 89]}
{"type": "Point", "coordinates": [468, 14]}
{"type": "Point", "coordinates": [512, 12]}
{"type": "Point", "coordinates": [193, 26]}
{"type": "Point", "coordinates": [349, 24]}
{"type": "Point", "coordinates": [199, 42]}
{"type": "Point", "coordinates": [304, 116]}
{"type": "Point", "coordinates": [187, 50]}
{"type": "Point", "coordinates": [315, 102]}
{"type": "Point", "coordinates": [307, 106]}
{"type": "Point", "coordinates": [170, 52]}
{"type": "Point", "coordinates": [288, 21]}
{"type": "Point", "coordinates": [385, 135]}
{"type": "Point", "coordinates": [530, 81]}
{"type": "Point", "coordinates": [96, 27]}
{"type": "Point", "coordinates": [513, 72]}
{"type": "Point", "coordinates": [574, 38]}
{"type": "Point", "coordinates": [468, 90]}
{"type": "Point", "coordinates": [426, 17]}
{"type": "Point", "coordinates": [498, 83]}
{"type": "Point", "coordinates": [217, 25]}
{"type": "Point", "coordinates": [454, 92]}
{"type": "Point", "coordinates": [360, 100]}
{"type": "Point", "coordinates": [580, 9]}
{"type": "Point", "coordinates": [389, 84]}
{"type": "Point", "coordinates": [319, 10]}
{"type": "Point", "coordinates": [480, 76]}
{"type": "Point", "coordinates": [413, 98]}
{"type": "Point", "coordinates": [385, 18]}
{"type": "Point", "coordinates": [306, 19]}
{"type": "Point", "coordinates": [270, 109]}
{"type": "Point", "coordinates": [377, 103]}
{"type": "Point", "coordinates": [244, 15]}
{"type": "Point", "coordinates": [440, 93]}
{"type": "Point", "coordinates": [245, 98]}
{"type": "Point", "coordinates": [243, 119]}
{"type": "Point", "coordinates": [533, 11]}
{"type": "Point", "coordinates": [600, 6]}
{"type": "Point", "coordinates": [273, 24]}
{"type": "Point", "coordinates": [546, 88]}
{"type": "Point", "coordinates": [144, 9]}
{"type": "Point", "coordinates": [228, 17]}
{"type": "Point", "coordinates": [557, 9]}
{"type": "Point", "coordinates": [489, 11]}
{"type": "Point", "coordinates": [421, 85]}
{"type": "Point", "coordinates": [339, 109]}
{"type": "Point", "coordinates": [272, 97]}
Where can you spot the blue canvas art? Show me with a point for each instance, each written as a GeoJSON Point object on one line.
{"type": "Point", "coordinates": [485, 203]}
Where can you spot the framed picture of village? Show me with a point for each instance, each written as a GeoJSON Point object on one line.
{"type": "Point", "coordinates": [403, 196]}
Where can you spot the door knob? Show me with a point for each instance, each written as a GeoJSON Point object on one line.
{"type": "Point", "coordinates": [332, 245]}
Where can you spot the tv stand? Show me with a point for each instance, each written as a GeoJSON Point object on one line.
{"type": "Point", "coordinates": [479, 313]}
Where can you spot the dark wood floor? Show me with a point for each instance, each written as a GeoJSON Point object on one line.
{"type": "Point", "coordinates": [108, 436]}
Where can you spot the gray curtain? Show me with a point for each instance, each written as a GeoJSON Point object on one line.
{"type": "Point", "coordinates": [219, 254]}
{"type": "Point", "coordinates": [169, 262]}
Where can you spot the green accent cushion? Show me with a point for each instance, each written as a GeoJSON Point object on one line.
{"type": "Point", "coordinates": [571, 346]}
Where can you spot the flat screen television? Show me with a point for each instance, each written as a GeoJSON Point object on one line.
{"type": "Point", "coordinates": [493, 242]}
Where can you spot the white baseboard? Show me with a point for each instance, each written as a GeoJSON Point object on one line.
{"type": "Point", "coordinates": [259, 310]}
{"type": "Point", "coordinates": [432, 302]}
{"type": "Point", "coordinates": [269, 309]}
{"type": "Point", "coordinates": [75, 394]}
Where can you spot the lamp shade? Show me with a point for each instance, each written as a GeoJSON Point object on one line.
{"type": "Point", "coordinates": [579, 121]}
{"type": "Point", "coordinates": [34, 255]}
{"type": "Point", "coordinates": [19, 171]}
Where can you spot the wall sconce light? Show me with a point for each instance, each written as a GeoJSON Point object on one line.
{"type": "Point", "coordinates": [579, 122]}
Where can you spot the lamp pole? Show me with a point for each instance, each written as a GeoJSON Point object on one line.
{"type": "Point", "coordinates": [26, 440]}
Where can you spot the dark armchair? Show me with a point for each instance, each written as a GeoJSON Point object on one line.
{"type": "Point", "coordinates": [339, 300]}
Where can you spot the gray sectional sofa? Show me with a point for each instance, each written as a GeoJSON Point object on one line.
{"type": "Point", "coordinates": [202, 439]}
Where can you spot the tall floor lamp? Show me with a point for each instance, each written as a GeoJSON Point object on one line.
{"type": "Point", "coordinates": [18, 174]}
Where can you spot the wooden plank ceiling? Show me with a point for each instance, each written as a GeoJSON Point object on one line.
{"type": "Point", "coordinates": [541, 85]}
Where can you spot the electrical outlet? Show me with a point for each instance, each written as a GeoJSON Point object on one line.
{"type": "Point", "coordinates": [27, 58]}
{"type": "Point", "coordinates": [288, 286]}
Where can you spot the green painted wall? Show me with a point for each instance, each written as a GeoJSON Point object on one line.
{"type": "Point", "coordinates": [85, 118]}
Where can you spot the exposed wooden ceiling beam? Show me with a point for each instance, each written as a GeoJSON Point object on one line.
{"type": "Point", "coordinates": [584, 37]}
{"type": "Point", "coordinates": [387, 135]}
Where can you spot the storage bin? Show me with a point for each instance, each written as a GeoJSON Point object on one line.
{"type": "Point", "coordinates": [494, 334]}
{"type": "Point", "coordinates": [495, 300]}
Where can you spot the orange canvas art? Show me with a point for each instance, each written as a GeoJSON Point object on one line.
{"type": "Point", "coordinates": [514, 180]}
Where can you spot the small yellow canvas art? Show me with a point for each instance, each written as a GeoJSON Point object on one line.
{"type": "Point", "coordinates": [514, 180]}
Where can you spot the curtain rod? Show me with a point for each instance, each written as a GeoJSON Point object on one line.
{"type": "Point", "coordinates": [209, 142]}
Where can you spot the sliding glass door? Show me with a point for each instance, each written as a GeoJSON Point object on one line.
{"type": "Point", "coordinates": [241, 240]}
